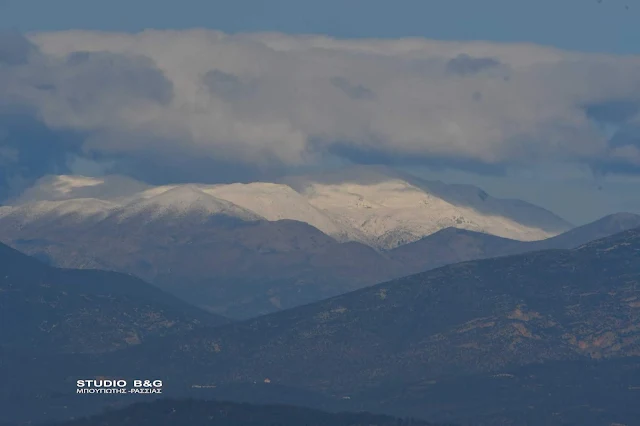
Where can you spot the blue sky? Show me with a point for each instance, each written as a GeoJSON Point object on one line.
{"type": "Point", "coordinates": [573, 24]}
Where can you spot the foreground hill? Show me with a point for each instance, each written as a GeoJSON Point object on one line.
{"type": "Point", "coordinates": [480, 317]}
{"type": "Point", "coordinates": [200, 413]}
{"type": "Point", "coordinates": [516, 340]}
{"type": "Point", "coordinates": [49, 309]}
{"type": "Point", "coordinates": [556, 393]}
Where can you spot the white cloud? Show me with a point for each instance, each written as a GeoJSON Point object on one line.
{"type": "Point", "coordinates": [272, 99]}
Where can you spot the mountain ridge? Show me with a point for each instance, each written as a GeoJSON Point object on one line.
{"type": "Point", "coordinates": [376, 206]}
{"type": "Point", "coordinates": [241, 268]}
{"type": "Point", "coordinates": [452, 245]}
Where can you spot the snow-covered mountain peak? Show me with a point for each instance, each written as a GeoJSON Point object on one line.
{"type": "Point", "coordinates": [391, 207]}
{"type": "Point", "coordinates": [393, 193]}
{"type": "Point", "coordinates": [275, 201]}
{"type": "Point", "coordinates": [183, 200]}
{"type": "Point", "coordinates": [378, 206]}
{"type": "Point", "coordinates": [80, 209]}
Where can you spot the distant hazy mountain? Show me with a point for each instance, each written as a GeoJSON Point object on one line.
{"type": "Point", "coordinates": [222, 263]}
{"type": "Point", "coordinates": [488, 317]}
{"type": "Point", "coordinates": [49, 309]}
{"type": "Point", "coordinates": [601, 228]}
{"type": "Point", "coordinates": [201, 413]}
{"type": "Point", "coordinates": [220, 256]}
{"type": "Point", "coordinates": [452, 245]}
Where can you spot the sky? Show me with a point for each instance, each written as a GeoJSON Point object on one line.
{"type": "Point", "coordinates": [538, 100]}
{"type": "Point", "coordinates": [571, 24]}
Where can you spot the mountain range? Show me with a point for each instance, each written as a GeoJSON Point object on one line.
{"type": "Point", "coordinates": [547, 337]}
{"type": "Point", "coordinates": [377, 206]}
{"type": "Point", "coordinates": [493, 314]}
{"type": "Point", "coordinates": [243, 250]}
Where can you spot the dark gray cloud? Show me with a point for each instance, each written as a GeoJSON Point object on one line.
{"type": "Point", "coordinates": [626, 136]}
{"type": "Point", "coordinates": [92, 76]}
{"type": "Point", "coordinates": [613, 111]}
{"type": "Point", "coordinates": [87, 86]}
{"type": "Point", "coordinates": [225, 85]}
{"type": "Point", "coordinates": [29, 149]}
{"type": "Point", "coordinates": [366, 155]}
{"type": "Point", "coordinates": [464, 64]}
{"type": "Point", "coordinates": [605, 167]}
{"type": "Point", "coordinates": [15, 48]}
{"type": "Point", "coordinates": [616, 118]}
{"type": "Point", "coordinates": [354, 91]}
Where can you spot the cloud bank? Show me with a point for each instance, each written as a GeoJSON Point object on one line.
{"type": "Point", "coordinates": [203, 105]}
